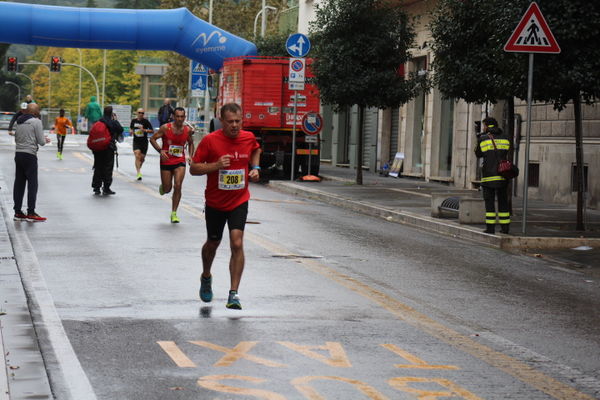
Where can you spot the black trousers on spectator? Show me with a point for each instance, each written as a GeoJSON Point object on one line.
{"type": "Point", "coordinates": [104, 162]}
{"type": "Point", "coordinates": [26, 172]}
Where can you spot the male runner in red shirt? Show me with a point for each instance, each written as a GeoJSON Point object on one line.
{"type": "Point", "coordinates": [175, 136]}
{"type": "Point", "coordinates": [230, 157]}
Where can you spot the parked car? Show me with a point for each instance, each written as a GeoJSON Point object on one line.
{"type": "Point", "coordinates": [5, 117]}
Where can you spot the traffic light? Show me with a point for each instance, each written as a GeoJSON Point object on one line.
{"type": "Point", "coordinates": [55, 64]}
{"type": "Point", "coordinates": [12, 64]}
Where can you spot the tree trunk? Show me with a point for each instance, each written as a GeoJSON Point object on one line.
{"type": "Point", "coordinates": [579, 162]}
{"type": "Point", "coordinates": [359, 145]}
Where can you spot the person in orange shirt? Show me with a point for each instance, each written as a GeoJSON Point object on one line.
{"type": "Point", "coordinates": [60, 127]}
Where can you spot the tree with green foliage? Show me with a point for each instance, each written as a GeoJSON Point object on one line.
{"type": "Point", "coordinates": [359, 47]}
{"type": "Point", "coordinates": [91, 4]}
{"type": "Point", "coordinates": [273, 45]}
{"type": "Point", "coordinates": [469, 36]}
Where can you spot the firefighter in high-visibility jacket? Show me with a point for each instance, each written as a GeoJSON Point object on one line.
{"type": "Point", "coordinates": [492, 184]}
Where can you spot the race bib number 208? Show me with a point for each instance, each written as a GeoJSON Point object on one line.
{"type": "Point", "coordinates": [232, 179]}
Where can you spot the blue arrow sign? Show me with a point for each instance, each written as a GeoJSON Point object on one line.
{"type": "Point", "coordinates": [297, 45]}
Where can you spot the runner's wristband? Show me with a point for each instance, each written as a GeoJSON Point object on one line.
{"type": "Point", "coordinates": [255, 167]}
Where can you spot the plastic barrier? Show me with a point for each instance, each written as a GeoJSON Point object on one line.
{"type": "Point", "coordinates": [104, 28]}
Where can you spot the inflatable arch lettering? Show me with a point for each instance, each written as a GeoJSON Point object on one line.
{"type": "Point", "coordinates": [102, 28]}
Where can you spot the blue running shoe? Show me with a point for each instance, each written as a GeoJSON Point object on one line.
{"type": "Point", "coordinates": [234, 301]}
{"type": "Point", "coordinates": [206, 293]}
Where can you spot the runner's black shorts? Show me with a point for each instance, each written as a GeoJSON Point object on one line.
{"type": "Point", "coordinates": [172, 167]}
{"type": "Point", "coordinates": [140, 144]}
{"type": "Point", "coordinates": [215, 220]}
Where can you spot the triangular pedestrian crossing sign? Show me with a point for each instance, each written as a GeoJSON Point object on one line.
{"type": "Point", "coordinates": [532, 35]}
{"type": "Point", "coordinates": [199, 68]}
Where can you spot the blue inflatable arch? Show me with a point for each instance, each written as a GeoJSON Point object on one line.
{"type": "Point", "coordinates": [102, 28]}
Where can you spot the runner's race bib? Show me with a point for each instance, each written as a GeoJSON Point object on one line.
{"type": "Point", "coordinates": [138, 132]}
{"type": "Point", "coordinates": [232, 179]}
{"type": "Point", "coordinates": [176, 151]}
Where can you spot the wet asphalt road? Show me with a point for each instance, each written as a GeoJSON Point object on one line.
{"type": "Point", "coordinates": [336, 305]}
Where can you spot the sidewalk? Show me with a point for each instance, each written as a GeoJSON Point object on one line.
{"type": "Point", "coordinates": [23, 373]}
{"type": "Point", "coordinates": [408, 201]}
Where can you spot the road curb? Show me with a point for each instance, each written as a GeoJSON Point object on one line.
{"type": "Point", "coordinates": [403, 217]}
{"type": "Point", "coordinates": [435, 225]}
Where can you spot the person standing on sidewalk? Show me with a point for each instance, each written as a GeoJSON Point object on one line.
{"type": "Point", "coordinates": [165, 113]}
{"type": "Point", "coordinates": [92, 112]}
{"type": "Point", "coordinates": [29, 135]}
{"type": "Point", "coordinates": [493, 185]}
{"type": "Point", "coordinates": [229, 157]}
{"type": "Point", "coordinates": [60, 127]}
{"type": "Point", "coordinates": [140, 127]}
{"type": "Point", "coordinates": [174, 136]}
{"type": "Point", "coordinates": [104, 160]}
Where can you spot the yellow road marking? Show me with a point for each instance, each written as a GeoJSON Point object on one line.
{"type": "Point", "coordinates": [507, 364]}
{"type": "Point", "coordinates": [402, 383]}
{"type": "Point", "coordinates": [178, 357]}
{"type": "Point", "coordinates": [338, 357]}
{"type": "Point", "coordinates": [415, 362]}
{"type": "Point", "coordinates": [212, 382]}
{"type": "Point", "coordinates": [239, 351]}
{"type": "Point", "coordinates": [301, 384]}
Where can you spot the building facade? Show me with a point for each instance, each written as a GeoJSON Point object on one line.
{"type": "Point", "coordinates": [437, 136]}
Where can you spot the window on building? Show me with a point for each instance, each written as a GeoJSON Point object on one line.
{"type": "Point", "coordinates": [574, 171]}
{"type": "Point", "coordinates": [534, 175]}
{"type": "Point", "coordinates": [157, 92]}
{"type": "Point", "coordinates": [446, 137]}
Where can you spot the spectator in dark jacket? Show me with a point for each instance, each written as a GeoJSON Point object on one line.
{"type": "Point", "coordinates": [15, 117]}
{"type": "Point", "coordinates": [104, 160]}
{"type": "Point", "coordinates": [165, 113]}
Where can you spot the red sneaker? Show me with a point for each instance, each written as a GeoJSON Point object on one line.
{"type": "Point", "coordinates": [35, 218]}
{"type": "Point", "coordinates": [19, 216]}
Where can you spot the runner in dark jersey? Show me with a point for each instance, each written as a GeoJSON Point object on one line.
{"type": "Point", "coordinates": [230, 157]}
{"type": "Point", "coordinates": [140, 127]}
{"type": "Point", "coordinates": [175, 136]}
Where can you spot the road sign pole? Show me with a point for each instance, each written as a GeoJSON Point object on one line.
{"type": "Point", "coordinates": [294, 134]}
{"type": "Point", "coordinates": [527, 141]}
{"type": "Point", "coordinates": [309, 157]}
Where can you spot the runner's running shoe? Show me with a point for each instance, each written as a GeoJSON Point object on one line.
{"type": "Point", "coordinates": [139, 176]}
{"type": "Point", "coordinates": [206, 293]}
{"type": "Point", "coordinates": [161, 190]}
{"type": "Point", "coordinates": [35, 218]}
{"type": "Point", "coordinates": [174, 219]}
{"type": "Point", "coordinates": [233, 302]}
{"type": "Point", "coordinates": [19, 216]}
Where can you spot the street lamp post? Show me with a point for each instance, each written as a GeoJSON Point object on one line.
{"type": "Point", "coordinates": [30, 80]}
{"type": "Point", "coordinates": [263, 28]}
{"type": "Point", "coordinates": [17, 86]}
{"type": "Point", "coordinates": [79, 98]}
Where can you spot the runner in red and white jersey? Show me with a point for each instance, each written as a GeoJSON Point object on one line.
{"type": "Point", "coordinates": [230, 157]}
{"type": "Point", "coordinates": [175, 136]}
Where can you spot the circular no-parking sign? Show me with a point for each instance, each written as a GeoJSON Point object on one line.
{"type": "Point", "coordinates": [312, 123]}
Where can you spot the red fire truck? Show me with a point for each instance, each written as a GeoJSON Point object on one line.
{"type": "Point", "coordinates": [260, 86]}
